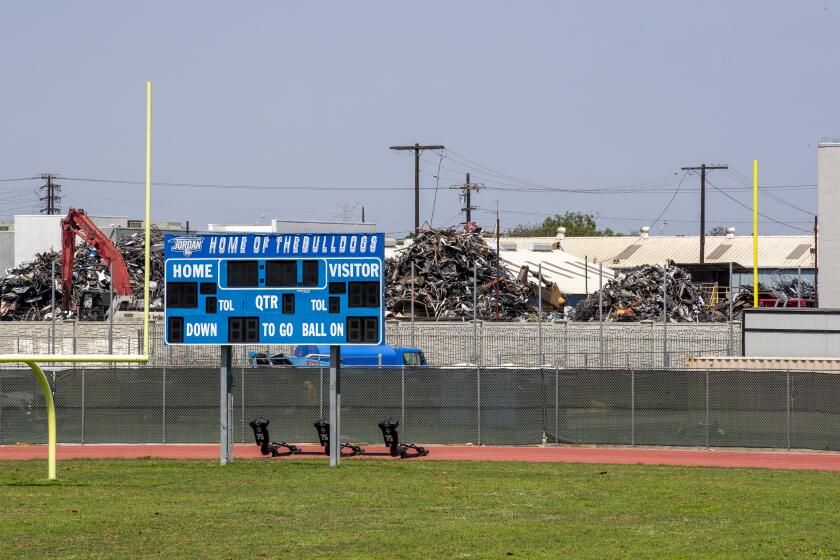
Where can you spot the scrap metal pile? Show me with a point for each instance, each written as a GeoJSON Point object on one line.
{"type": "Point", "coordinates": [788, 289]}
{"type": "Point", "coordinates": [25, 291]}
{"type": "Point", "coordinates": [636, 294]}
{"type": "Point", "coordinates": [443, 280]}
{"type": "Point", "coordinates": [782, 291]}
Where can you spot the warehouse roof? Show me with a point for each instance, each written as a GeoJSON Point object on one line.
{"type": "Point", "coordinates": [562, 268]}
{"type": "Point", "coordinates": [774, 251]}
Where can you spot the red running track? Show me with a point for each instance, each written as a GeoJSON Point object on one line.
{"type": "Point", "coordinates": [617, 456]}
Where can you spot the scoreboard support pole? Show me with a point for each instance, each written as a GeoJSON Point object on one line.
{"type": "Point", "coordinates": [335, 406]}
{"type": "Point", "coordinates": [225, 405]}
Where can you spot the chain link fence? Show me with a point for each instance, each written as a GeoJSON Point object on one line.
{"type": "Point", "coordinates": [479, 405]}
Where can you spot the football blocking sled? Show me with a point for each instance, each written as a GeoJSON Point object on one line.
{"type": "Point", "coordinates": [390, 435]}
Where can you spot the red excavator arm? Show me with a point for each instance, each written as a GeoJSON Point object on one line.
{"type": "Point", "coordinates": [78, 223]}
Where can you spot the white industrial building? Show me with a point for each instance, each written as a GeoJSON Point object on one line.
{"type": "Point", "coordinates": [30, 234]}
{"type": "Point", "coordinates": [294, 226]}
{"type": "Point", "coordinates": [828, 157]}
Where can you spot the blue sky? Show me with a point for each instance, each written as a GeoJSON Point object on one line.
{"type": "Point", "coordinates": [553, 97]}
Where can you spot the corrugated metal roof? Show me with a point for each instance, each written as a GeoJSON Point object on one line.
{"type": "Point", "coordinates": [774, 251]}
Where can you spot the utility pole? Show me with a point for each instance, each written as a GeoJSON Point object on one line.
{"type": "Point", "coordinates": [52, 197]}
{"type": "Point", "coordinates": [466, 190]}
{"type": "Point", "coordinates": [703, 168]}
{"type": "Point", "coordinates": [417, 149]}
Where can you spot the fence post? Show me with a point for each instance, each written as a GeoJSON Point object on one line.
{"type": "Point", "coordinates": [787, 407]}
{"type": "Point", "coordinates": [111, 306]}
{"type": "Point", "coordinates": [52, 307]}
{"type": "Point", "coordinates": [708, 427]}
{"type": "Point", "coordinates": [601, 312]}
{"type": "Point", "coordinates": [242, 401]}
{"type": "Point", "coordinates": [163, 405]}
{"type": "Point", "coordinates": [731, 352]}
{"type": "Point", "coordinates": [1, 407]}
{"type": "Point", "coordinates": [402, 397]}
{"type": "Point", "coordinates": [481, 343]}
{"type": "Point", "coordinates": [478, 402]}
{"type": "Point", "coordinates": [475, 315]}
{"type": "Point", "coordinates": [632, 407]}
{"type": "Point", "coordinates": [556, 406]}
{"type": "Point", "coordinates": [413, 345]}
{"type": "Point", "coordinates": [320, 391]}
{"type": "Point", "coordinates": [544, 439]}
{"type": "Point", "coordinates": [566, 343]}
{"type": "Point", "coordinates": [539, 320]}
{"type": "Point", "coordinates": [665, 315]}
{"type": "Point", "coordinates": [83, 404]}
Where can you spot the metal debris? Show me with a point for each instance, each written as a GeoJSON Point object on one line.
{"type": "Point", "coordinates": [636, 295]}
{"type": "Point", "coordinates": [25, 290]}
{"type": "Point", "coordinates": [443, 280]}
{"type": "Point", "coordinates": [788, 289]}
{"type": "Point", "coordinates": [781, 294]}
{"type": "Point", "coordinates": [25, 293]}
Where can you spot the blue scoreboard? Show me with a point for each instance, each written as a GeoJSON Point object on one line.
{"type": "Point", "coordinates": [277, 288]}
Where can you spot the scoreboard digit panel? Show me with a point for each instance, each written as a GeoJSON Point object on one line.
{"type": "Point", "coordinates": [279, 288]}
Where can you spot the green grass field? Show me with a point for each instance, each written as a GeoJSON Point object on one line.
{"type": "Point", "coordinates": [413, 509]}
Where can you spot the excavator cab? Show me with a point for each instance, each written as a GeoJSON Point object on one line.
{"type": "Point", "coordinates": [94, 305]}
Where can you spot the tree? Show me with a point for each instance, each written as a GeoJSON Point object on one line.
{"type": "Point", "coordinates": [719, 230]}
{"type": "Point", "coordinates": [577, 224]}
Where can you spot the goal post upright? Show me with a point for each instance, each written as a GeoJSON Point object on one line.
{"type": "Point", "coordinates": [148, 219]}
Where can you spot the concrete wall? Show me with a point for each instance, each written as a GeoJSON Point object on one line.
{"type": "Point", "coordinates": [829, 223]}
{"type": "Point", "coordinates": [564, 344]}
{"type": "Point", "coordinates": [36, 234]}
{"type": "Point", "coordinates": [810, 333]}
{"type": "Point", "coordinates": [7, 250]}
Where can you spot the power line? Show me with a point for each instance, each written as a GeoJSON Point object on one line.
{"type": "Point", "coordinates": [676, 192]}
{"type": "Point", "coordinates": [662, 180]}
{"type": "Point", "coordinates": [736, 201]}
{"type": "Point", "coordinates": [639, 188]}
{"type": "Point", "coordinates": [242, 187]}
{"type": "Point", "coordinates": [740, 177]}
{"type": "Point", "coordinates": [622, 218]}
{"type": "Point", "coordinates": [19, 179]}
{"type": "Point", "coordinates": [437, 184]}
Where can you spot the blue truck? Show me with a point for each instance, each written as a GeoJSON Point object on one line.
{"type": "Point", "coordinates": [316, 355]}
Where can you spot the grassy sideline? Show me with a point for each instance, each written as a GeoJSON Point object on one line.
{"type": "Point", "coordinates": [413, 509]}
